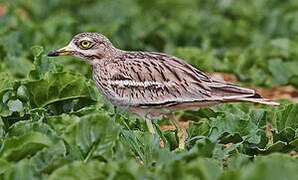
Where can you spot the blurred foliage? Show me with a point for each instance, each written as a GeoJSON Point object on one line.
{"type": "Point", "coordinates": [55, 124]}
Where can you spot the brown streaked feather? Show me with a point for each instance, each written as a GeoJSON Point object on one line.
{"type": "Point", "coordinates": [157, 79]}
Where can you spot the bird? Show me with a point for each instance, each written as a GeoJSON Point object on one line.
{"type": "Point", "coordinates": [152, 84]}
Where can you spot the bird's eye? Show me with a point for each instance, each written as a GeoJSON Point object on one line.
{"type": "Point", "coordinates": [85, 44]}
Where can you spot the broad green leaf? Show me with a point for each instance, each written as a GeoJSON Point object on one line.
{"type": "Point", "coordinates": [294, 144]}
{"type": "Point", "coordinates": [61, 123]}
{"type": "Point", "coordinates": [94, 136]}
{"type": "Point", "coordinates": [51, 158]}
{"type": "Point", "coordinates": [23, 93]}
{"type": "Point", "coordinates": [80, 170]}
{"type": "Point", "coordinates": [288, 117]}
{"type": "Point", "coordinates": [57, 87]}
{"type": "Point", "coordinates": [198, 115]}
{"type": "Point", "coordinates": [204, 147]}
{"type": "Point", "coordinates": [21, 128]}
{"type": "Point", "coordinates": [281, 46]}
{"type": "Point", "coordinates": [231, 124]}
{"type": "Point", "coordinates": [200, 128]}
{"type": "Point", "coordinates": [98, 170]}
{"type": "Point", "coordinates": [276, 147]}
{"type": "Point", "coordinates": [4, 166]}
{"type": "Point", "coordinates": [237, 161]}
{"type": "Point", "coordinates": [198, 168]}
{"type": "Point", "coordinates": [294, 81]}
{"type": "Point", "coordinates": [275, 166]}
{"type": "Point", "coordinates": [20, 170]}
{"type": "Point", "coordinates": [286, 122]}
{"type": "Point", "coordinates": [17, 148]}
{"type": "Point", "coordinates": [282, 71]}
{"type": "Point", "coordinates": [285, 135]}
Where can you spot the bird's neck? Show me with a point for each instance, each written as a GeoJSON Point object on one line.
{"type": "Point", "coordinates": [109, 56]}
{"type": "Point", "coordinates": [112, 53]}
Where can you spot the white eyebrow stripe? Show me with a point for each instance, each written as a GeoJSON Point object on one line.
{"type": "Point", "coordinates": [85, 39]}
{"type": "Point", "coordinates": [123, 83]}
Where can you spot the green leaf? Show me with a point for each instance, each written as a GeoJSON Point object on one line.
{"type": "Point", "coordinates": [62, 122]}
{"type": "Point", "coordinates": [196, 130]}
{"type": "Point", "coordinates": [198, 115]}
{"type": "Point", "coordinates": [282, 46]}
{"type": "Point", "coordinates": [282, 71]}
{"type": "Point", "coordinates": [94, 135]}
{"type": "Point", "coordinates": [286, 122]}
{"type": "Point", "coordinates": [15, 105]}
{"type": "Point", "coordinates": [275, 166]}
{"type": "Point", "coordinates": [21, 128]}
{"type": "Point", "coordinates": [23, 93]}
{"type": "Point", "coordinates": [57, 87]}
{"type": "Point", "coordinates": [204, 147]}
{"type": "Point", "coordinates": [51, 158]}
{"type": "Point", "coordinates": [36, 73]}
{"type": "Point", "coordinates": [232, 124]}
{"type": "Point", "coordinates": [294, 144]}
{"type": "Point", "coordinates": [80, 170]}
{"type": "Point", "coordinates": [37, 51]}
{"type": "Point", "coordinates": [20, 170]}
{"type": "Point", "coordinates": [128, 169]}
{"type": "Point", "coordinates": [294, 81]}
{"type": "Point", "coordinates": [288, 117]}
{"type": "Point", "coordinates": [4, 166]}
{"type": "Point", "coordinates": [134, 144]}
{"type": "Point", "coordinates": [198, 168]}
{"type": "Point", "coordinates": [276, 147]}
{"type": "Point", "coordinates": [237, 161]}
{"type": "Point", "coordinates": [171, 139]}
{"type": "Point", "coordinates": [285, 135]}
{"type": "Point", "coordinates": [17, 148]}
{"type": "Point", "coordinates": [151, 149]}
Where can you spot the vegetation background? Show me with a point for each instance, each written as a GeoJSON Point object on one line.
{"type": "Point", "coordinates": [54, 124]}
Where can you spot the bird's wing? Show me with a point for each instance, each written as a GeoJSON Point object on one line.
{"type": "Point", "coordinates": [155, 79]}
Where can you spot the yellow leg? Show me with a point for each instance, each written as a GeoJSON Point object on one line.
{"type": "Point", "coordinates": [180, 130]}
{"type": "Point", "coordinates": [150, 126]}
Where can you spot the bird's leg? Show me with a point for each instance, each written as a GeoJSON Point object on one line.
{"type": "Point", "coordinates": [149, 125]}
{"type": "Point", "coordinates": [180, 130]}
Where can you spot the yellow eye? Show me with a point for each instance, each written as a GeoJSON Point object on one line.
{"type": "Point", "coordinates": [85, 44]}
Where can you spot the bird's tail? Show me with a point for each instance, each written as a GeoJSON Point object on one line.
{"type": "Point", "coordinates": [228, 92]}
{"type": "Point", "coordinates": [254, 100]}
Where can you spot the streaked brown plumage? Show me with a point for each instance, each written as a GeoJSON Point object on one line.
{"type": "Point", "coordinates": [152, 84]}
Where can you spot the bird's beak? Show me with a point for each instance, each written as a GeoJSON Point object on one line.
{"type": "Point", "coordinates": [63, 51]}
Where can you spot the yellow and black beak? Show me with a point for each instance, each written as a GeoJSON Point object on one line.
{"type": "Point", "coordinates": [63, 51]}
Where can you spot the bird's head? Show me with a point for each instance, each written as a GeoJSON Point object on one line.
{"type": "Point", "coordinates": [86, 46]}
